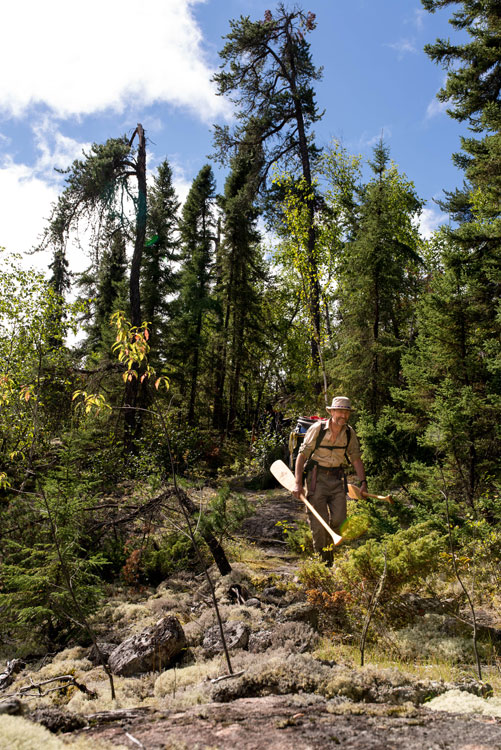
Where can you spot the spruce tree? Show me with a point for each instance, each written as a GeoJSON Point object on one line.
{"type": "Point", "coordinates": [239, 271]}
{"type": "Point", "coordinates": [378, 273]}
{"type": "Point", "coordinates": [454, 374]}
{"type": "Point", "coordinates": [159, 279]}
{"type": "Point", "coordinates": [197, 229]}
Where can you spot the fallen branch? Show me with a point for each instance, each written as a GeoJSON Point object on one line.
{"type": "Point", "coordinates": [227, 676]}
{"type": "Point", "coordinates": [12, 668]}
{"type": "Point", "coordinates": [66, 678]}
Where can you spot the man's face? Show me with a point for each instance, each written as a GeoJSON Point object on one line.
{"type": "Point", "coordinates": [340, 416]}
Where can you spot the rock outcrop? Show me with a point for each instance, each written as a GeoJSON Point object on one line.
{"type": "Point", "coordinates": [152, 650]}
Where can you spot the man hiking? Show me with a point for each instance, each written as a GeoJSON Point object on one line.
{"type": "Point", "coordinates": [325, 446]}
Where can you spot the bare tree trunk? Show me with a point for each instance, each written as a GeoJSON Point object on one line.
{"type": "Point", "coordinates": [133, 418]}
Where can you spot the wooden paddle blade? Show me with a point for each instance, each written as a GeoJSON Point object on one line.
{"type": "Point", "coordinates": [356, 494]}
{"type": "Point", "coordinates": [284, 475]}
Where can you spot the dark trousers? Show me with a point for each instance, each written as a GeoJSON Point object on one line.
{"type": "Point", "coordinates": [329, 500]}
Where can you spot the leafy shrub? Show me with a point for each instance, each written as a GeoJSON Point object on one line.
{"type": "Point", "coordinates": [298, 536]}
{"type": "Point", "coordinates": [174, 552]}
{"type": "Point", "coordinates": [411, 554]}
{"type": "Point", "coordinates": [225, 513]}
{"type": "Point", "coordinates": [343, 593]}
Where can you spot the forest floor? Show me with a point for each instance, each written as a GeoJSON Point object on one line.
{"type": "Point", "coordinates": [285, 694]}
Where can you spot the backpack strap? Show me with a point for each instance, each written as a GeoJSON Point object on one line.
{"type": "Point", "coordinates": [333, 447]}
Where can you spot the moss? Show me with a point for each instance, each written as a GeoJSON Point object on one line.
{"type": "Point", "coordinates": [17, 733]}
{"type": "Point", "coordinates": [428, 639]}
{"type": "Point", "coordinates": [460, 702]}
{"type": "Point", "coordinates": [276, 675]}
{"type": "Point", "coordinates": [174, 681]}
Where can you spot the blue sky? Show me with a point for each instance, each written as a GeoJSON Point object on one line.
{"type": "Point", "coordinates": [75, 73]}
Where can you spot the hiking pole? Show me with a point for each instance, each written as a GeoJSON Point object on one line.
{"type": "Point", "coordinates": [284, 475]}
{"type": "Point", "coordinates": [357, 494]}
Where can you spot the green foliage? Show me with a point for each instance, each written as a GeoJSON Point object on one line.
{"type": "Point", "coordinates": [344, 592]}
{"type": "Point", "coordinates": [197, 235]}
{"type": "Point", "coordinates": [40, 557]}
{"type": "Point", "coordinates": [35, 377]}
{"type": "Point", "coordinates": [159, 280]}
{"type": "Point", "coordinates": [378, 269]}
{"type": "Point", "coordinates": [298, 537]}
{"type": "Point", "coordinates": [267, 71]}
{"type": "Point", "coordinates": [411, 555]}
{"type": "Point", "coordinates": [239, 274]}
{"type": "Point", "coordinates": [174, 552]}
{"type": "Point", "coordinates": [225, 513]}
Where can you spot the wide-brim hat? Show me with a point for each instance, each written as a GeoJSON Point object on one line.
{"type": "Point", "coordinates": [340, 402]}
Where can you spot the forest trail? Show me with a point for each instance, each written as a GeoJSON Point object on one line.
{"type": "Point", "coordinates": [255, 709]}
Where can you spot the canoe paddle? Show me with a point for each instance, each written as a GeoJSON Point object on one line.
{"type": "Point", "coordinates": [284, 475]}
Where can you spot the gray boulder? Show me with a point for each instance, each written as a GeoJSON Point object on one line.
{"type": "Point", "coordinates": [260, 641]}
{"type": "Point", "coordinates": [105, 648]}
{"type": "Point", "coordinates": [152, 650]}
{"type": "Point", "coordinates": [236, 636]}
{"type": "Point", "coordinates": [300, 612]}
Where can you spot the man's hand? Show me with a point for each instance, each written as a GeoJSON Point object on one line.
{"type": "Point", "coordinates": [363, 486]}
{"type": "Point", "coordinates": [298, 487]}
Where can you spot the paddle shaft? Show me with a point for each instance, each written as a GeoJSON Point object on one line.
{"type": "Point", "coordinates": [377, 497]}
{"type": "Point", "coordinates": [335, 537]}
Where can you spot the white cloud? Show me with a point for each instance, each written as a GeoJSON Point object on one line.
{"type": "Point", "coordinates": [418, 18]}
{"type": "Point", "coordinates": [436, 108]}
{"type": "Point", "coordinates": [81, 58]}
{"type": "Point", "coordinates": [430, 220]}
{"type": "Point", "coordinates": [26, 202]}
{"type": "Point", "coordinates": [28, 191]}
{"type": "Point", "coordinates": [403, 47]}
{"type": "Point", "coordinates": [369, 141]}
{"type": "Point", "coordinates": [56, 151]}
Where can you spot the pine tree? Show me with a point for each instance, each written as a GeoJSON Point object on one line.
{"type": "Point", "coordinates": [268, 72]}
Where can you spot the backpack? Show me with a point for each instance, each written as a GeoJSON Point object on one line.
{"type": "Point", "coordinates": [296, 438]}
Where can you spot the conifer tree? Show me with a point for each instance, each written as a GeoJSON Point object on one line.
{"type": "Point", "coordinates": [449, 384]}
{"type": "Point", "coordinates": [96, 189]}
{"type": "Point", "coordinates": [453, 375]}
{"type": "Point", "coordinates": [472, 90]}
{"type": "Point", "coordinates": [159, 280]}
{"type": "Point", "coordinates": [239, 270]}
{"type": "Point", "coordinates": [197, 229]}
{"type": "Point", "coordinates": [268, 73]}
{"type": "Point", "coordinates": [378, 271]}
{"type": "Point", "coordinates": [110, 290]}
